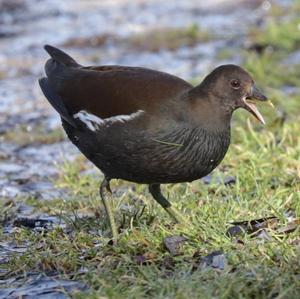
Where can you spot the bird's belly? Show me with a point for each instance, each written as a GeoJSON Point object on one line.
{"type": "Point", "coordinates": [137, 170]}
{"type": "Point", "coordinates": [157, 165]}
{"type": "Point", "coordinates": [142, 158]}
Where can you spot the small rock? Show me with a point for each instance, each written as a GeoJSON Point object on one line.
{"type": "Point", "coordinates": [140, 259]}
{"type": "Point", "coordinates": [33, 222]}
{"type": "Point", "coordinates": [251, 226]}
{"type": "Point", "coordinates": [235, 230]}
{"type": "Point", "coordinates": [173, 243]}
{"type": "Point", "coordinates": [229, 180]}
{"type": "Point", "coordinates": [263, 235]}
{"type": "Point", "coordinates": [216, 260]}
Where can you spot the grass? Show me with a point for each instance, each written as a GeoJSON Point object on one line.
{"type": "Point", "coordinates": [279, 35]}
{"type": "Point", "coordinates": [267, 183]}
{"type": "Point", "coordinates": [82, 252]}
{"type": "Point", "coordinates": [280, 31]}
{"type": "Point", "coordinates": [266, 164]}
{"type": "Point", "coordinates": [153, 40]}
{"type": "Point", "coordinates": [23, 135]}
{"type": "Point", "coordinates": [268, 72]}
{"type": "Point", "coordinates": [169, 38]}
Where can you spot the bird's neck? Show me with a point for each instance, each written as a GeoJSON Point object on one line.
{"type": "Point", "coordinates": [206, 112]}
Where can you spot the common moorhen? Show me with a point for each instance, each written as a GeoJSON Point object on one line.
{"type": "Point", "coordinates": [147, 126]}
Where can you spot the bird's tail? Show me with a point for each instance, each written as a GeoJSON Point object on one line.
{"type": "Point", "coordinates": [56, 101]}
{"type": "Point", "coordinates": [60, 56]}
{"type": "Point", "coordinates": [57, 68]}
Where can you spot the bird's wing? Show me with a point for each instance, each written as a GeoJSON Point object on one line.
{"type": "Point", "coordinates": [106, 91]}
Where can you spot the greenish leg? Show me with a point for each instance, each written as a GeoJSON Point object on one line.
{"type": "Point", "coordinates": [105, 194]}
{"type": "Point", "coordinates": [157, 195]}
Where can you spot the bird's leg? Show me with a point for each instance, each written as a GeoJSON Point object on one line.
{"type": "Point", "coordinates": [157, 195]}
{"type": "Point", "coordinates": [105, 193]}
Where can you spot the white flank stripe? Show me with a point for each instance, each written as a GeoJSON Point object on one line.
{"type": "Point", "coordinates": [94, 122]}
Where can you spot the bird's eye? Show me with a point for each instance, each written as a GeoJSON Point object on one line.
{"type": "Point", "coordinates": [235, 83]}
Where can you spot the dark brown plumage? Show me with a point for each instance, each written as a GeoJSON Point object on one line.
{"type": "Point", "coordinates": [147, 126]}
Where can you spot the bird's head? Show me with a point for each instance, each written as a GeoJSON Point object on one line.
{"type": "Point", "coordinates": [232, 87]}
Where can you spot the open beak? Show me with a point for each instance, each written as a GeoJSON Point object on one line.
{"type": "Point", "coordinates": [249, 102]}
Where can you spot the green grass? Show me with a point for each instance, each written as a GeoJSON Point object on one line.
{"type": "Point", "coordinates": [267, 172]}
{"type": "Point", "coordinates": [169, 38]}
{"type": "Point", "coordinates": [280, 32]}
{"type": "Point", "coordinates": [285, 35]}
{"type": "Point", "coordinates": [23, 135]}
{"type": "Point", "coordinates": [266, 164]}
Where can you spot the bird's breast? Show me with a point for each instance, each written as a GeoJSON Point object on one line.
{"type": "Point", "coordinates": [189, 154]}
{"type": "Point", "coordinates": [173, 155]}
{"type": "Point", "coordinates": [178, 155]}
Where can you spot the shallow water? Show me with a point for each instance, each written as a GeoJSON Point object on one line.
{"type": "Point", "coordinates": [36, 286]}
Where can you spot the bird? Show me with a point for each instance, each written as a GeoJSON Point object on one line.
{"type": "Point", "coordinates": [146, 126]}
